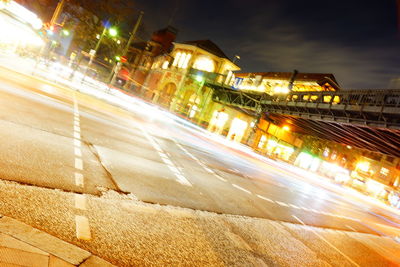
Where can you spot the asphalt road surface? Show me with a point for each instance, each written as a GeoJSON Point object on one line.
{"type": "Point", "coordinates": [139, 186]}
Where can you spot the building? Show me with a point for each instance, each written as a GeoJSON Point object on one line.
{"type": "Point", "coordinates": [141, 56]}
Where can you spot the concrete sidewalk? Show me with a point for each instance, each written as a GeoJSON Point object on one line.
{"type": "Point", "coordinates": [23, 245]}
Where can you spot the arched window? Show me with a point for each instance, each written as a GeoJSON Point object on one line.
{"type": "Point", "coordinates": [181, 60]}
{"type": "Point", "coordinates": [177, 58]}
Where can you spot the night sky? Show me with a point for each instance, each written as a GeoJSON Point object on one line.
{"type": "Point", "coordinates": [357, 41]}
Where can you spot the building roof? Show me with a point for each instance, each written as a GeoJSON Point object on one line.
{"type": "Point", "coordinates": [209, 46]}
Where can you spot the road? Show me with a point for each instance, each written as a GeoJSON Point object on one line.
{"type": "Point", "coordinates": [122, 175]}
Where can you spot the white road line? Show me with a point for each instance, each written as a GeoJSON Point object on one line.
{"type": "Point", "coordinates": [241, 188]}
{"type": "Point", "coordinates": [351, 228]}
{"type": "Point", "coordinates": [265, 198]}
{"type": "Point", "coordinates": [208, 169]}
{"type": "Point", "coordinates": [281, 203]}
{"type": "Point", "coordinates": [78, 164]}
{"type": "Point", "coordinates": [79, 179]}
{"type": "Point", "coordinates": [198, 161]}
{"type": "Point", "coordinates": [294, 206]}
{"type": "Point", "coordinates": [80, 202]}
{"type": "Point", "coordinates": [77, 135]}
{"type": "Point", "coordinates": [220, 178]}
{"type": "Point", "coordinates": [180, 177]}
{"type": "Point", "coordinates": [329, 243]}
{"type": "Point", "coordinates": [77, 143]}
{"type": "Point", "coordinates": [78, 152]}
{"type": "Point", "coordinates": [82, 228]}
{"type": "Point", "coordinates": [77, 128]}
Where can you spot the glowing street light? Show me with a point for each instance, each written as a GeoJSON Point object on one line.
{"type": "Point", "coordinates": [113, 32]}
{"type": "Point", "coordinates": [65, 32]}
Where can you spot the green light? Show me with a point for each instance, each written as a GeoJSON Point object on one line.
{"type": "Point", "coordinates": [113, 32]}
{"type": "Point", "coordinates": [199, 78]}
{"type": "Point", "coordinates": [65, 32]}
{"type": "Point", "coordinates": [117, 58]}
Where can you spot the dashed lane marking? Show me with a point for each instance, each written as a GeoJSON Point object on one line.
{"type": "Point", "coordinates": [78, 152]}
{"type": "Point", "coordinates": [220, 178]}
{"type": "Point", "coordinates": [164, 157]}
{"type": "Point", "coordinates": [78, 164]}
{"type": "Point", "coordinates": [77, 143]}
{"type": "Point", "coordinates": [265, 198]}
{"type": "Point", "coordinates": [241, 188]}
{"type": "Point", "coordinates": [326, 241]}
{"type": "Point", "coordinates": [199, 162]}
{"type": "Point", "coordinates": [79, 179]}
{"type": "Point", "coordinates": [80, 201]}
{"type": "Point", "coordinates": [281, 203]}
{"type": "Point", "coordinates": [351, 228]}
{"type": "Point", "coordinates": [82, 227]}
{"type": "Point", "coordinates": [77, 135]}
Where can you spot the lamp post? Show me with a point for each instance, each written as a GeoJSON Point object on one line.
{"type": "Point", "coordinates": [116, 67]}
{"type": "Point", "coordinates": [113, 32]}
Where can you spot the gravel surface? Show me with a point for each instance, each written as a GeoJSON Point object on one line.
{"type": "Point", "coordinates": [128, 232]}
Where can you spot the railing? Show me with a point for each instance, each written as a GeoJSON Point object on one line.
{"type": "Point", "coordinates": [379, 108]}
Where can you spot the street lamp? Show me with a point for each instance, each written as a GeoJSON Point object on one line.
{"type": "Point", "coordinates": [112, 32]}
{"type": "Point", "coordinates": [65, 32]}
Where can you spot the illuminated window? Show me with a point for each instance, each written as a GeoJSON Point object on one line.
{"type": "Point", "coordinates": [384, 171]}
{"type": "Point", "coordinates": [262, 142]}
{"type": "Point", "coordinates": [204, 63]}
{"type": "Point", "coordinates": [165, 65]}
{"type": "Point", "coordinates": [182, 60]}
{"type": "Point", "coordinates": [186, 62]}
{"type": "Point", "coordinates": [177, 58]}
{"type": "Point", "coordinates": [363, 166]}
{"type": "Point", "coordinates": [237, 130]}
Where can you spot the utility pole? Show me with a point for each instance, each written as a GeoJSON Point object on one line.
{"type": "Point", "coordinates": [57, 12]}
{"type": "Point", "coordinates": [117, 66]}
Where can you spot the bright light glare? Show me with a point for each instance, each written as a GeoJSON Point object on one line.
{"type": "Point", "coordinates": [204, 63]}
{"type": "Point", "coordinates": [113, 32]}
{"type": "Point", "coordinates": [363, 166]}
{"type": "Point", "coordinates": [22, 14]}
{"type": "Point", "coordinates": [14, 33]}
{"type": "Point", "coordinates": [281, 90]}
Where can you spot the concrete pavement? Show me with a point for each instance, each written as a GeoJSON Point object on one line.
{"type": "Point", "coordinates": [23, 245]}
{"type": "Point", "coordinates": [128, 232]}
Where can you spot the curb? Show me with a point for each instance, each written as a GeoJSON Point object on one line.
{"type": "Point", "coordinates": [22, 244]}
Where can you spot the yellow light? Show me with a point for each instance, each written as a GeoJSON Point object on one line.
{"type": "Point", "coordinates": [204, 63]}
{"type": "Point", "coordinates": [374, 187]}
{"type": "Point", "coordinates": [286, 128]}
{"type": "Point", "coordinates": [363, 166]}
{"type": "Point", "coordinates": [165, 65]}
{"type": "Point", "coordinates": [281, 90]}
